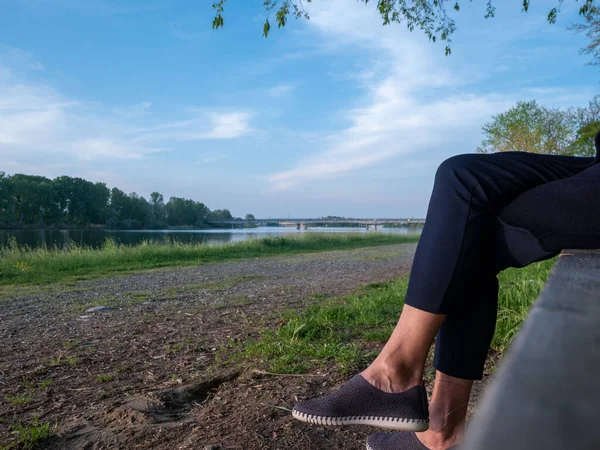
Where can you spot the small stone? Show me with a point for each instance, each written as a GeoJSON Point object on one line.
{"type": "Point", "coordinates": [100, 309]}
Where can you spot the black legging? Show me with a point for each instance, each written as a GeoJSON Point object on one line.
{"type": "Point", "coordinates": [488, 213]}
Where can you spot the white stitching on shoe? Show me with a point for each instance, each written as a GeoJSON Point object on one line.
{"type": "Point", "coordinates": [357, 420]}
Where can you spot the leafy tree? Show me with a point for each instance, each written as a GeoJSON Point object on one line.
{"type": "Point", "coordinates": [182, 211]}
{"type": "Point", "coordinates": [32, 201]}
{"type": "Point", "coordinates": [221, 214]}
{"type": "Point", "coordinates": [532, 128]}
{"type": "Point", "coordinates": [159, 214]}
{"type": "Point", "coordinates": [250, 217]}
{"type": "Point", "coordinates": [588, 120]}
{"type": "Point", "coordinates": [430, 16]}
{"type": "Point", "coordinates": [6, 198]}
{"type": "Point", "coordinates": [81, 202]}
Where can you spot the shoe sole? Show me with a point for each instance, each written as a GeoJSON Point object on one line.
{"type": "Point", "coordinates": [388, 423]}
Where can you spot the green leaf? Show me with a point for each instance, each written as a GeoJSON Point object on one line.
{"type": "Point", "coordinates": [218, 22]}
{"type": "Point", "coordinates": [266, 28]}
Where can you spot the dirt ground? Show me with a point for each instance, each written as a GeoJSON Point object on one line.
{"type": "Point", "coordinates": [145, 373]}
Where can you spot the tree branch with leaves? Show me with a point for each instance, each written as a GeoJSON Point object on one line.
{"type": "Point", "coordinates": [430, 16]}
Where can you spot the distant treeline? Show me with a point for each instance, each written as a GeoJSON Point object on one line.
{"type": "Point", "coordinates": [27, 200]}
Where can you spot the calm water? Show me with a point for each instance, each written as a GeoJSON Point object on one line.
{"type": "Point", "coordinates": [95, 238]}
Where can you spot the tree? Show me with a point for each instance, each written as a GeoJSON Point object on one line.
{"type": "Point", "coordinates": [591, 28]}
{"type": "Point", "coordinates": [221, 214]}
{"type": "Point", "coordinates": [532, 128]}
{"type": "Point", "coordinates": [430, 16]}
{"type": "Point", "coordinates": [588, 120]}
{"type": "Point", "coordinates": [81, 202]}
{"type": "Point", "coordinates": [250, 217]}
{"type": "Point", "coordinates": [33, 199]}
{"type": "Point", "coordinates": [159, 216]}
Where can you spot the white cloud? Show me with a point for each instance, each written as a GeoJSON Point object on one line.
{"type": "Point", "coordinates": [206, 125]}
{"type": "Point", "coordinates": [38, 122]}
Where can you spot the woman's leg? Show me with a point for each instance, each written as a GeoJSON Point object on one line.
{"type": "Point", "coordinates": [400, 364]}
{"type": "Point", "coordinates": [562, 214]}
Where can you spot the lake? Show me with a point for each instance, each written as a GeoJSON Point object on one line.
{"type": "Point", "coordinates": [95, 238]}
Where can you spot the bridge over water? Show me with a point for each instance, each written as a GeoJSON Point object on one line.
{"type": "Point", "coordinates": [305, 222]}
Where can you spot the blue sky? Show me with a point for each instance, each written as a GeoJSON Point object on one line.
{"type": "Point", "coordinates": [337, 115]}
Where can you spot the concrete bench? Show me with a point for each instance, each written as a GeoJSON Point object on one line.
{"type": "Point", "coordinates": [546, 394]}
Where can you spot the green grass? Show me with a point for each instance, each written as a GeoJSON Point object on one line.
{"type": "Point", "coordinates": [103, 378]}
{"type": "Point", "coordinates": [518, 290]}
{"type": "Point", "coordinates": [29, 436]}
{"type": "Point", "coordinates": [24, 266]}
{"type": "Point", "coordinates": [19, 400]}
{"type": "Point", "coordinates": [347, 332]}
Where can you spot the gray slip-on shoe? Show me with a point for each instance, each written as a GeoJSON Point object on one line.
{"type": "Point", "coordinates": [359, 403]}
{"type": "Point", "coordinates": [396, 441]}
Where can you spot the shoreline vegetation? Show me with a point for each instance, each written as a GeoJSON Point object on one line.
{"type": "Point", "coordinates": [30, 200]}
{"type": "Point", "coordinates": [101, 227]}
{"type": "Point", "coordinates": [24, 265]}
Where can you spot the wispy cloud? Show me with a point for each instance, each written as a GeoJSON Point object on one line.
{"type": "Point", "coordinates": [281, 90]}
{"type": "Point", "coordinates": [38, 121]}
{"type": "Point", "coordinates": [206, 126]}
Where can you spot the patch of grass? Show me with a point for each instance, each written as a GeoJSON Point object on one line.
{"type": "Point", "coordinates": [45, 383]}
{"type": "Point", "coordinates": [71, 360]}
{"type": "Point", "coordinates": [46, 265]}
{"type": "Point", "coordinates": [103, 378]}
{"type": "Point", "coordinates": [18, 400]}
{"type": "Point", "coordinates": [55, 362]}
{"type": "Point", "coordinates": [338, 331]}
{"type": "Point", "coordinates": [34, 385]}
{"type": "Point", "coordinates": [32, 435]}
{"type": "Point", "coordinates": [518, 290]}
{"type": "Point", "coordinates": [331, 331]}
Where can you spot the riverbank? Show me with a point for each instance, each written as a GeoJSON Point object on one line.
{"type": "Point", "coordinates": [95, 227]}
{"type": "Point", "coordinates": [215, 354]}
{"type": "Point", "coordinates": [21, 265]}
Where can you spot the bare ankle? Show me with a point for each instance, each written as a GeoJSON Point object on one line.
{"type": "Point", "coordinates": [446, 426]}
{"type": "Point", "coordinates": [438, 441]}
{"type": "Point", "coordinates": [392, 377]}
